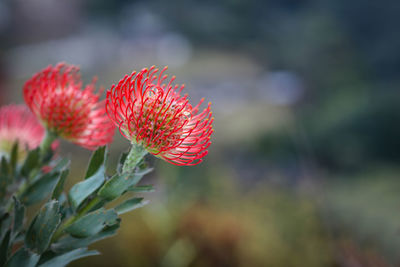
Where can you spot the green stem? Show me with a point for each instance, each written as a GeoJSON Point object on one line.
{"type": "Point", "coordinates": [72, 219]}
{"type": "Point", "coordinates": [48, 139]}
{"type": "Point", "coordinates": [134, 157]}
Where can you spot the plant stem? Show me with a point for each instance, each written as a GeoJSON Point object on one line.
{"type": "Point", "coordinates": [72, 219]}
{"type": "Point", "coordinates": [48, 139]}
{"type": "Point", "coordinates": [134, 157]}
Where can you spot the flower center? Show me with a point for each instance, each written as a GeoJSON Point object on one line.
{"type": "Point", "coordinates": [68, 113]}
{"type": "Point", "coordinates": [157, 123]}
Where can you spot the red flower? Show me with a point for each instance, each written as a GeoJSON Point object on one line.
{"type": "Point", "coordinates": [17, 123]}
{"type": "Point", "coordinates": [154, 114]}
{"type": "Point", "coordinates": [54, 95]}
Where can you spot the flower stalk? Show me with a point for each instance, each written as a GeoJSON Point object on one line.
{"type": "Point", "coordinates": [47, 141]}
{"type": "Point", "coordinates": [136, 154]}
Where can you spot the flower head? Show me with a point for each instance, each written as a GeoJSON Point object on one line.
{"type": "Point", "coordinates": [17, 123]}
{"type": "Point", "coordinates": [55, 96]}
{"type": "Point", "coordinates": [153, 114]}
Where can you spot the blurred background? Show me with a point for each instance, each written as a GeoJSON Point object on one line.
{"type": "Point", "coordinates": [304, 166]}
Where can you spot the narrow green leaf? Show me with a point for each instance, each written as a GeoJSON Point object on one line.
{"type": "Point", "coordinates": [4, 177]}
{"type": "Point", "coordinates": [41, 188]}
{"type": "Point", "coordinates": [68, 257]}
{"type": "Point", "coordinates": [97, 161]}
{"type": "Point", "coordinates": [141, 188]}
{"type": "Point", "coordinates": [92, 223]}
{"type": "Point", "coordinates": [119, 183]}
{"type": "Point", "coordinates": [23, 257]}
{"type": "Point", "coordinates": [130, 204]}
{"type": "Point", "coordinates": [4, 249]}
{"type": "Point", "coordinates": [69, 243]}
{"type": "Point", "coordinates": [43, 227]}
{"type": "Point", "coordinates": [31, 161]}
{"type": "Point", "coordinates": [80, 191]}
{"type": "Point", "coordinates": [58, 189]}
{"type": "Point", "coordinates": [19, 212]}
{"type": "Point", "coordinates": [62, 164]}
{"type": "Point", "coordinates": [5, 224]}
{"type": "Point", "coordinates": [14, 157]}
{"type": "Point", "coordinates": [4, 168]}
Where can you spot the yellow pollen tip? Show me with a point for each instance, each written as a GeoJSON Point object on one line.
{"type": "Point", "coordinates": [209, 103]}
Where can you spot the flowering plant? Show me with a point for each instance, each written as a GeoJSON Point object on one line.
{"type": "Point", "coordinates": [152, 115]}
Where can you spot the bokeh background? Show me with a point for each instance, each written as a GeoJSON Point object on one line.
{"type": "Point", "coordinates": [304, 167]}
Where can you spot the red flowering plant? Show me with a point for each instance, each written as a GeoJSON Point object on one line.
{"type": "Point", "coordinates": [55, 96]}
{"type": "Point", "coordinates": [156, 118]}
{"type": "Point", "coordinates": [149, 111]}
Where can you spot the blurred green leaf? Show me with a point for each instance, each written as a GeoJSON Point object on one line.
{"type": "Point", "coordinates": [4, 249]}
{"type": "Point", "coordinates": [141, 188]}
{"type": "Point", "coordinates": [19, 212]}
{"type": "Point", "coordinates": [43, 227]}
{"type": "Point", "coordinates": [64, 259]}
{"type": "Point", "coordinates": [31, 161]}
{"type": "Point", "coordinates": [5, 224]}
{"type": "Point", "coordinates": [92, 223]}
{"type": "Point", "coordinates": [114, 187]}
{"type": "Point", "coordinates": [4, 168]}
{"type": "Point", "coordinates": [60, 185]}
{"type": "Point", "coordinates": [119, 184]}
{"type": "Point", "coordinates": [14, 157]}
{"type": "Point", "coordinates": [69, 243]}
{"type": "Point", "coordinates": [130, 204]}
{"type": "Point", "coordinates": [97, 162]}
{"type": "Point", "coordinates": [40, 189]}
{"type": "Point", "coordinates": [61, 164]}
{"type": "Point", "coordinates": [23, 257]}
{"type": "Point", "coordinates": [80, 191]}
{"type": "Point", "coordinates": [4, 177]}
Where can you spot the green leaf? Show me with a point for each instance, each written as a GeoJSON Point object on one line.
{"type": "Point", "coordinates": [119, 183]}
{"type": "Point", "coordinates": [43, 227]}
{"type": "Point", "coordinates": [4, 177]}
{"type": "Point", "coordinates": [92, 223]}
{"type": "Point", "coordinates": [60, 184]}
{"type": "Point", "coordinates": [23, 257]}
{"type": "Point", "coordinates": [116, 186]}
{"type": "Point", "coordinates": [31, 161]}
{"type": "Point", "coordinates": [40, 189]}
{"type": "Point", "coordinates": [5, 224]}
{"type": "Point", "coordinates": [68, 257]}
{"type": "Point", "coordinates": [19, 212]}
{"type": "Point", "coordinates": [14, 157]}
{"type": "Point", "coordinates": [69, 243]}
{"type": "Point", "coordinates": [97, 161]}
{"type": "Point", "coordinates": [4, 249]}
{"type": "Point", "coordinates": [61, 165]}
{"type": "Point", "coordinates": [4, 169]}
{"type": "Point", "coordinates": [141, 188]}
{"type": "Point", "coordinates": [80, 191]}
{"type": "Point", "coordinates": [130, 204]}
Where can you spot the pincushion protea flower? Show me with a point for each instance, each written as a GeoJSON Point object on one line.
{"type": "Point", "coordinates": [54, 95]}
{"type": "Point", "coordinates": [17, 123]}
{"type": "Point", "coordinates": [154, 115]}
